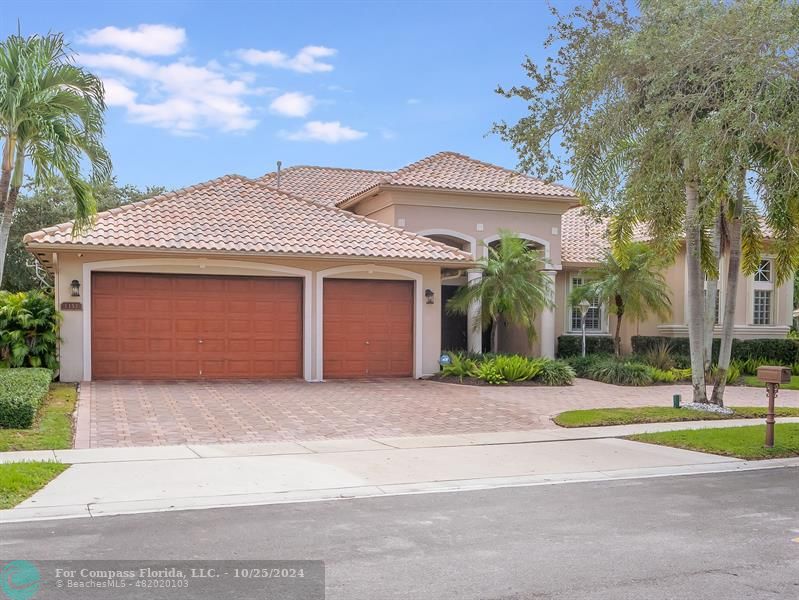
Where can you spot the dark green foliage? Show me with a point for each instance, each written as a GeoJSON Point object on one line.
{"type": "Point", "coordinates": [518, 368]}
{"type": "Point", "coordinates": [771, 351]}
{"type": "Point", "coordinates": [28, 330]}
{"type": "Point", "coordinates": [499, 369]}
{"type": "Point", "coordinates": [21, 393]}
{"type": "Point", "coordinates": [556, 372]}
{"type": "Point", "coordinates": [620, 372]}
{"type": "Point", "coordinates": [583, 365]}
{"type": "Point", "coordinates": [572, 345]}
{"type": "Point", "coordinates": [460, 367]}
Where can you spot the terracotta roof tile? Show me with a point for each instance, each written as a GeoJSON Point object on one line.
{"type": "Point", "coordinates": [584, 237]}
{"type": "Point", "coordinates": [237, 214]}
{"type": "Point", "coordinates": [326, 185]}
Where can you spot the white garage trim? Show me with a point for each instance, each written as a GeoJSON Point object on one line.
{"type": "Point", "coordinates": [194, 266]}
{"type": "Point", "coordinates": [366, 272]}
{"type": "Point", "coordinates": [454, 234]}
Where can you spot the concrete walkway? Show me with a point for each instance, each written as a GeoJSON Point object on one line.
{"type": "Point", "coordinates": [129, 480]}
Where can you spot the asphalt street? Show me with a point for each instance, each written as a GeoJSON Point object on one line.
{"type": "Point", "coordinates": [722, 536]}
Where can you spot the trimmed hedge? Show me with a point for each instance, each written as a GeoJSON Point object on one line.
{"type": "Point", "coordinates": [21, 394]}
{"type": "Point", "coordinates": [572, 345]}
{"type": "Point", "coordinates": [777, 351]}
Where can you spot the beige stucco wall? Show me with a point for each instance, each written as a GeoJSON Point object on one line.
{"type": "Point", "coordinates": [70, 266]}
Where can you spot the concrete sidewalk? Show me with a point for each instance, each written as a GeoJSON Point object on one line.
{"type": "Point", "coordinates": [108, 481]}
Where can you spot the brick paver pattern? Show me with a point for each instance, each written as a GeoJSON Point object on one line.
{"type": "Point", "coordinates": [134, 413]}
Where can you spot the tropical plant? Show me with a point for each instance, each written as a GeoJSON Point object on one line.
{"type": "Point", "coordinates": [518, 368]}
{"type": "Point", "coordinates": [795, 369]}
{"type": "Point", "coordinates": [663, 375]}
{"type": "Point", "coordinates": [51, 116]}
{"type": "Point", "coordinates": [663, 115]}
{"type": "Point", "coordinates": [555, 372]}
{"type": "Point", "coordinates": [28, 330]}
{"type": "Point", "coordinates": [488, 372]}
{"type": "Point", "coordinates": [582, 365]}
{"type": "Point", "coordinates": [660, 356]}
{"type": "Point", "coordinates": [460, 366]}
{"type": "Point", "coordinates": [513, 289]}
{"type": "Point", "coordinates": [628, 282]}
{"type": "Point", "coordinates": [620, 372]}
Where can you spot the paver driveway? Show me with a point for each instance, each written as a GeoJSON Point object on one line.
{"type": "Point", "coordinates": [132, 413]}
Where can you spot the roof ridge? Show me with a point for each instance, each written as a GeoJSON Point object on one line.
{"type": "Point", "coordinates": [350, 169]}
{"type": "Point", "coordinates": [64, 227]}
{"type": "Point", "coordinates": [360, 218]}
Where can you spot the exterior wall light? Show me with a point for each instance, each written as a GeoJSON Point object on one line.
{"type": "Point", "coordinates": [429, 296]}
{"type": "Point", "coordinates": [75, 286]}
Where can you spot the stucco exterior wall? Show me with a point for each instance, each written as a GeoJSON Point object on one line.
{"type": "Point", "coordinates": [75, 330]}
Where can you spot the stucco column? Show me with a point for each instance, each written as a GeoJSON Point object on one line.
{"type": "Point", "coordinates": [474, 332]}
{"type": "Point", "coordinates": [547, 333]}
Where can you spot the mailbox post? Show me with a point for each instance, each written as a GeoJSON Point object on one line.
{"type": "Point", "coordinates": [772, 377]}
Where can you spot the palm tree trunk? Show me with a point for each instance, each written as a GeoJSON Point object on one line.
{"type": "Point", "coordinates": [8, 195]}
{"type": "Point", "coordinates": [711, 290]}
{"type": "Point", "coordinates": [619, 316]}
{"type": "Point", "coordinates": [733, 277]}
{"type": "Point", "coordinates": [495, 335]}
{"type": "Point", "coordinates": [695, 305]}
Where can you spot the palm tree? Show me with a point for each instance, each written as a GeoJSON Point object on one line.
{"type": "Point", "coordinates": [51, 115]}
{"type": "Point", "coordinates": [630, 285]}
{"type": "Point", "coordinates": [512, 290]}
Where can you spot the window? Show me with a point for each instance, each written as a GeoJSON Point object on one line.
{"type": "Point", "coordinates": [763, 293]}
{"type": "Point", "coordinates": [593, 318]}
{"type": "Point", "coordinates": [762, 307]}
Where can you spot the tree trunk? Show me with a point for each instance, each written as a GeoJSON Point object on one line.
{"type": "Point", "coordinates": [11, 169]}
{"type": "Point", "coordinates": [495, 335]}
{"type": "Point", "coordinates": [5, 229]}
{"type": "Point", "coordinates": [695, 281]}
{"type": "Point", "coordinates": [733, 277]}
{"type": "Point", "coordinates": [711, 290]}
{"type": "Point", "coordinates": [619, 315]}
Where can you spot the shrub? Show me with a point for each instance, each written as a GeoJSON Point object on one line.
{"type": "Point", "coordinates": [748, 366]}
{"type": "Point", "coordinates": [488, 372]}
{"type": "Point", "coordinates": [663, 376]}
{"type": "Point", "coordinates": [21, 394]}
{"type": "Point", "coordinates": [660, 356]}
{"type": "Point", "coordinates": [28, 330]}
{"type": "Point", "coordinates": [771, 351]}
{"type": "Point", "coordinates": [460, 367]}
{"type": "Point", "coordinates": [555, 372]}
{"type": "Point", "coordinates": [795, 368]}
{"type": "Point", "coordinates": [582, 365]}
{"type": "Point", "coordinates": [572, 345]}
{"type": "Point", "coordinates": [682, 374]}
{"type": "Point", "coordinates": [621, 372]}
{"type": "Point", "coordinates": [517, 368]}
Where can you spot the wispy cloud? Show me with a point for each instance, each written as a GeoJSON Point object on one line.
{"type": "Point", "coordinates": [307, 60]}
{"type": "Point", "coordinates": [329, 132]}
{"type": "Point", "coordinates": [292, 104]}
{"type": "Point", "coordinates": [148, 40]}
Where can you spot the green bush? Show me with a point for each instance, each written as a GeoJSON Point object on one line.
{"type": "Point", "coordinates": [21, 394]}
{"type": "Point", "coordinates": [660, 356]}
{"type": "Point", "coordinates": [517, 368]}
{"type": "Point", "coordinates": [460, 366]}
{"type": "Point", "coordinates": [749, 366]}
{"type": "Point", "coordinates": [488, 372]}
{"type": "Point", "coordinates": [733, 373]}
{"type": "Point", "coordinates": [582, 365]}
{"type": "Point", "coordinates": [572, 345]}
{"type": "Point", "coordinates": [620, 372]}
{"type": "Point", "coordinates": [28, 330]}
{"type": "Point", "coordinates": [663, 376]}
{"type": "Point", "coordinates": [770, 351]}
{"type": "Point", "coordinates": [555, 372]}
{"type": "Point", "coordinates": [795, 368]}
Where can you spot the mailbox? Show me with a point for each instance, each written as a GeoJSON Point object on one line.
{"type": "Point", "coordinates": [774, 374]}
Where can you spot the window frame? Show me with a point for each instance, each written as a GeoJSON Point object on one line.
{"type": "Point", "coordinates": [763, 286]}
{"type": "Point", "coordinates": [603, 315]}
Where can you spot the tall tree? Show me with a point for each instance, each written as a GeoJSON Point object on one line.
{"type": "Point", "coordinates": [51, 115]}
{"type": "Point", "coordinates": [658, 112]}
{"type": "Point", "coordinates": [633, 287]}
{"type": "Point", "coordinates": [513, 289]}
{"type": "Point", "coordinates": [46, 205]}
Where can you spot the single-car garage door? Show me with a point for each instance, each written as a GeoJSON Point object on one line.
{"type": "Point", "coordinates": [368, 328]}
{"type": "Point", "coordinates": [195, 327]}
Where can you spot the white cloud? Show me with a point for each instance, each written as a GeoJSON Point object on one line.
{"type": "Point", "coordinates": [178, 96]}
{"type": "Point", "coordinates": [329, 132]}
{"type": "Point", "coordinates": [307, 60]}
{"type": "Point", "coordinates": [292, 104]}
{"type": "Point", "coordinates": [149, 40]}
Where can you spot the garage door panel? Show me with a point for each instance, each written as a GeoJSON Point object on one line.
{"type": "Point", "coordinates": [150, 326]}
{"type": "Point", "coordinates": [368, 328]}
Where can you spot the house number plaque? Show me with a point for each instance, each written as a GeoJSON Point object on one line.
{"type": "Point", "coordinates": [71, 306]}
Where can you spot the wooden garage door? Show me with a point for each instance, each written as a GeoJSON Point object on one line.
{"type": "Point", "coordinates": [193, 327]}
{"type": "Point", "coordinates": [368, 328]}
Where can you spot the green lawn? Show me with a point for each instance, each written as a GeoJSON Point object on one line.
{"type": "Point", "coordinates": [753, 381]}
{"type": "Point", "coordinates": [740, 442]}
{"type": "Point", "coordinates": [20, 480]}
{"type": "Point", "coordinates": [53, 427]}
{"type": "Point", "coordinates": [658, 414]}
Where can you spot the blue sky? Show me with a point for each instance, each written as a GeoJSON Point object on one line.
{"type": "Point", "coordinates": [201, 89]}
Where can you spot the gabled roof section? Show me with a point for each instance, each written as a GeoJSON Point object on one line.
{"type": "Point", "coordinates": [326, 185]}
{"type": "Point", "coordinates": [236, 214]}
{"type": "Point", "coordinates": [450, 171]}
{"type": "Point", "coordinates": [584, 237]}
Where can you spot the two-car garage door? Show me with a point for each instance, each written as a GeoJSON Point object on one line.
{"type": "Point", "coordinates": [147, 326]}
